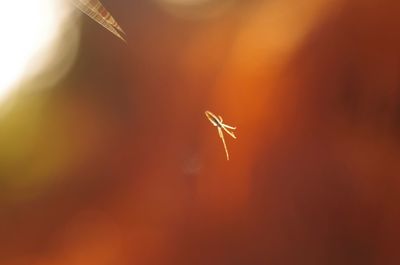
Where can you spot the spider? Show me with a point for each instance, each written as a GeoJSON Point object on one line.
{"type": "Point", "coordinates": [217, 122]}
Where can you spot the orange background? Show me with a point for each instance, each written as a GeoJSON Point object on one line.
{"type": "Point", "coordinates": [122, 166]}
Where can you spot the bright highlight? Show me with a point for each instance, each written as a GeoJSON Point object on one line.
{"type": "Point", "coordinates": [29, 29]}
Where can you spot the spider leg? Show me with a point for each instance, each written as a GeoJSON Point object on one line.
{"type": "Point", "coordinates": [228, 132]}
{"type": "Point", "coordinates": [223, 142]}
{"type": "Point", "coordinates": [230, 127]}
{"type": "Point", "coordinates": [220, 119]}
{"type": "Point", "coordinates": [219, 132]}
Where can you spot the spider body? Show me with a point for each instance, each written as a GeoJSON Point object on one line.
{"type": "Point", "coordinates": [217, 121]}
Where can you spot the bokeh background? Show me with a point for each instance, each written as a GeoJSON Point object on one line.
{"type": "Point", "coordinates": [114, 163]}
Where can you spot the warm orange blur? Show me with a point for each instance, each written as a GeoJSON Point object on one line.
{"type": "Point", "coordinates": [117, 164]}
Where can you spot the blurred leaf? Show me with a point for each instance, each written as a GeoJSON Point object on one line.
{"type": "Point", "coordinates": [95, 10]}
